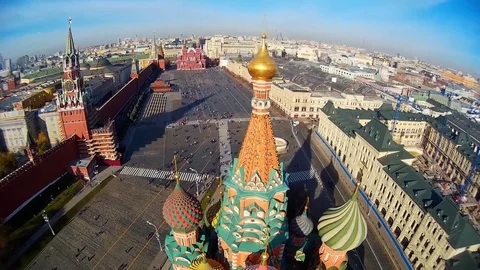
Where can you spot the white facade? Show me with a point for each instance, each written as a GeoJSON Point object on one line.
{"type": "Point", "coordinates": [350, 73]}
{"type": "Point", "coordinates": [297, 101]}
{"type": "Point", "coordinates": [49, 122]}
{"type": "Point", "coordinates": [14, 128]}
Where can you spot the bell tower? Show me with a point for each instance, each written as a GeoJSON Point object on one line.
{"type": "Point", "coordinates": [72, 100]}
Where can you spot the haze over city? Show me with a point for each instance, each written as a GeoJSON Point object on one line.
{"type": "Point", "coordinates": [240, 135]}
{"type": "Point", "coordinates": [437, 31]}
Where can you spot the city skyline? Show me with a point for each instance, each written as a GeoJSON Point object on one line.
{"type": "Point", "coordinates": [437, 31]}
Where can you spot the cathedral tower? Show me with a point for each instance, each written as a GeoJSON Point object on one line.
{"type": "Point", "coordinates": [183, 213]}
{"type": "Point", "coordinates": [255, 199]}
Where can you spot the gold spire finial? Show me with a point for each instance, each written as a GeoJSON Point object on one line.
{"type": "Point", "coordinates": [265, 256]}
{"type": "Point", "coordinates": [176, 175]}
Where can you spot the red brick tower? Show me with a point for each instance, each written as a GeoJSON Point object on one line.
{"type": "Point", "coordinates": [134, 72]}
{"type": "Point", "coordinates": [72, 101]}
{"type": "Point", "coordinates": [161, 57]}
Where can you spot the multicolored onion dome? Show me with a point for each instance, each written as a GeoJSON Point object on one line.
{"type": "Point", "coordinates": [202, 263]}
{"type": "Point", "coordinates": [212, 214]}
{"type": "Point", "coordinates": [181, 210]}
{"type": "Point", "coordinates": [301, 226]}
{"type": "Point", "coordinates": [343, 228]}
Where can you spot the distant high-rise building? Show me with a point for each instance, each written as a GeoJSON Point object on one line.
{"type": "Point", "coordinates": [2, 66]}
{"type": "Point", "coordinates": [23, 61]}
{"type": "Point", "coordinates": [7, 64]}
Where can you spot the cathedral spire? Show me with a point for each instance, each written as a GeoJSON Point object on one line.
{"type": "Point", "coordinates": [265, 256]}
{"type": "Point", "coordinates": [258, 155]}
{"type": "Point", "coordinates": [70, 46]}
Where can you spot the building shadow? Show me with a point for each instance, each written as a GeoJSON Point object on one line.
{"type": "Point", "coordinates": [299, 191]}
{"type": "Point", "coordinates": [356, 257]}
{"type": "Point", "coordinates": [148, 133]}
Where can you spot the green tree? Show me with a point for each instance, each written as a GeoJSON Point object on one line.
{"type": "Point", "coordinates": [43, 144]}
{"type": "Point", "coordinates": [8, 163]}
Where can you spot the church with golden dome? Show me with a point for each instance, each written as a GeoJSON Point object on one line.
{"type": "Point", "coordinates": [248, 227]}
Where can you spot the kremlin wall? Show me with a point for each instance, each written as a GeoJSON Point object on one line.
{"type": "Point", "coordinates": [115, 104]}
{"type": "Point", "coordinates": [22, 184]}
{"type": "Point", "coordinates": [35, 175]}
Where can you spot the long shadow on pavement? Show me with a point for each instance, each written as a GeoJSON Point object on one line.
{"type": "Point", "coordinates": [298, 193]}
{"type": "Point", "coordinates": [146, 134]}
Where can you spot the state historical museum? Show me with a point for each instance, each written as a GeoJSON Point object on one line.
{"type": "Point", "coordinates": [191, 58]}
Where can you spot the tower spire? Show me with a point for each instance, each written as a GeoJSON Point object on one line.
{"type": "Point", "coordinates": [258, 154]}
{"type": "Point", "coordinates": [265, 256]}
{"type": "Point", "coordinates": [154, 53]}
{"type": "Point", "coordinates": [70, 47]}
{"type": "Point", "coordinates": [176, 174]}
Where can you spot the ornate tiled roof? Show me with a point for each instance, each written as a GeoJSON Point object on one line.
{"type": "Point", "coordinates": [184, 256]}
{"type": "Point", "coordinates": [302, 225]}
{"type": "Point", "coordinates": [212, 214]}
{"type": "Point", "coordinates": [203, 263]}
{"type": "Point", "coordinates": [343, 228]}
{"type": "Point", "coordinates": [258, 154]}
{"type": "Point", "coordinates": [181, 210]}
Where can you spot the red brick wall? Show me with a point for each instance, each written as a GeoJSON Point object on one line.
{"type": "Point", "coordinates": [115, 104]}
{"type": "Point", "coordinates": [26, 181]}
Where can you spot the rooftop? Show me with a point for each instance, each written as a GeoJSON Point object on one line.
{"type": "Point", "coordinates": [461, 232]}
{"type": "Point", "coordinates": [82, 162]}
{"type": "Point", "coordinates": [308, 74]}
{"type": "Point", "coordinates": [6, 104]}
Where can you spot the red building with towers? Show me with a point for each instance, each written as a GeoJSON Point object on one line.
{"type": "Point", "coordinates": [191, 58]}
{"type": "Point", "coordinates": [89, 132]}
{"type": "Point", "coordinates": [77, 114]}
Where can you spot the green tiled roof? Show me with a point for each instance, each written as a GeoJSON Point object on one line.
{"type": "Point", "coordinates": [377, 135]}
{"type": "Point", "coordinates": [463, 140]}
{"type": "Point", "coordinates": [446, 213]}
{"type": "Point", "coordinates": [438, 107]}
{"type": "Point", "coordinates": [464, 260]}
{"type": "Point", "coordinates": [395, 157]}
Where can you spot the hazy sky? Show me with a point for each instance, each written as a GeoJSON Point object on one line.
{"type": "Point", "coordinates": [443, 32]}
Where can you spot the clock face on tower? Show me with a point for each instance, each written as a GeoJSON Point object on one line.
{"type": "Point", "coordinates": [68, 86]}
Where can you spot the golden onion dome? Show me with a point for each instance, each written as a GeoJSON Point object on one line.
{"type": "Point", "coordinates": [262, 66]}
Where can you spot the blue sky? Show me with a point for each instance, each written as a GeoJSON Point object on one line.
{"type": "Point", "coordinates": [443, 32]}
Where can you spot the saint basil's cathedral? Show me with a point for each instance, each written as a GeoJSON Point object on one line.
{"type": "Point", "coordinates": [248, 227]}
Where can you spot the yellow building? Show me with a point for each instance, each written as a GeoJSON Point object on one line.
{"type": "Point", "coordinates": [459, 79]}
{"type": "Point", "coordinates": [300, 101]}
{"type": "Point", "coordinates": [429, 227]}
{"type": "Point", "coordinates": [36, 100]}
